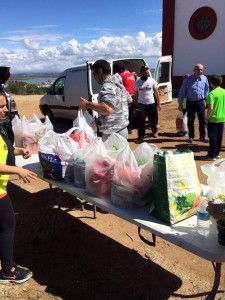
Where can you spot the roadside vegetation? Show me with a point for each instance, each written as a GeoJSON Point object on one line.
{"type": "Point", "coordinates": [24, 88]}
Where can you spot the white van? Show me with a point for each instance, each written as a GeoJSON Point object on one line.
{"type": "Point", "coordinates": [63, 97]}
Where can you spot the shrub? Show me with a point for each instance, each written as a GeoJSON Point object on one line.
{"type": "Point", "coordinates": [24, 88]}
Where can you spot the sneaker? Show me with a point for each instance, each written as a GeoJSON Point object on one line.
{"type": "Point", "coordinates": [204, 140]}
{"type": "Point", "coordinates": [190, 140]}
{"type": "Point", "coordinates": [17, 274]}
{"type": "Point", "coordinates": [155, 135]}
{"type": "Point", "coordinates": [218, 156]}
{"type": "Point", "coordinates": [139, 141]}
{"type": "Point", "coordinates": [130, 132]}
{"type": "Point", "coordinates": [207, 157]}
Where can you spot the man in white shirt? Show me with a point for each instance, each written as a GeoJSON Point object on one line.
{"type": "Point", "coordinates": [144, 90]}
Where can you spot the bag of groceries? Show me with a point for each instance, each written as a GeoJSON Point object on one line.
{"type": "Point", "coordinates": [128, 187]}
{"type": "Point", "coordinates": [32, 130]}
{"type": "Point", "coordinates": [85, 122]}
{"type": "Point", "coordinates": [99, 169]}
{"type": "Point", "coordinates": [176, 189]}
{"type": "Point", "coordinates": [56, 156]}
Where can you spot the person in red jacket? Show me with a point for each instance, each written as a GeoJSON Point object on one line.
{"type": "Point", "coordinates": [128, 82]}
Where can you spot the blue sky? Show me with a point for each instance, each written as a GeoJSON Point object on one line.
{"type": "Point", "coordinates": [52, 35]}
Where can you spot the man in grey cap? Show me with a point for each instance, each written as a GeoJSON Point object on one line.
{"type": "Point", "coordinates": [113, 101]}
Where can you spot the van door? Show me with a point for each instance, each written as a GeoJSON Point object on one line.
{"type": "Point", "coordinates": [163, 77]}
{"type": "Point", "coordinates": [93, 87]}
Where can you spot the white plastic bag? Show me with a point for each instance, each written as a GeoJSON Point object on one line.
{"type": "Point", "coordinates": [144, 155]}
{"type": "Point", "coordinates": [56, 153]}
{"type": "Point", "coordinates": [99, 169]}
{"type": "Point", "coordinates": [127, 190]}
{"type": "Point", "coordinates": [114, 144]}
{"type": "Point", "coordinates": [179, 121]}
{"type": "Point", "coordinates": [32, 130]}
{"type": "Point", "coordinates": [85, 122]}
{"type": "Point", "coordinates": [216, 177]}
{"type": "Point", "coordinates": [184, 124]}
{"type": "Point", "coordinates": [17, 129]}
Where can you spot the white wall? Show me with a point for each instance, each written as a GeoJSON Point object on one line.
{"type": "Point", "coordinates": [189, 51]}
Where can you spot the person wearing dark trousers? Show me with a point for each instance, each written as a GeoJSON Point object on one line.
{"type": "Point", "coordinates": [215, 118]}
{"type": "Point", "coordinates": [195, 89]}
{"type": "Point", "coordinates": [9, 272]}
{"type": "Point", "coordinates": [144, 102]}
{"type": "Point", "coordinates": [151, 111]}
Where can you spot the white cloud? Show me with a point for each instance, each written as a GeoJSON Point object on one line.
{"type": "Point", "coordinates": [29, 45]}
{"type": "Point", "coordinates": [36, 56]}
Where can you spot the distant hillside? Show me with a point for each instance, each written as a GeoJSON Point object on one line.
{"type": "Point", "coordinates": [32, 75]}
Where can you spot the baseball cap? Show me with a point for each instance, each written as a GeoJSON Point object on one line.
{"type": "Point", "coordinates": [143, 68]}
{"type": "Point", "coordinates": [101, 64]}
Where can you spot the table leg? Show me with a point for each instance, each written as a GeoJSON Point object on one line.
{"type": "Point", "coordinates": [56, 215]}
{"type": "Point", "coordinates": [217, 269]}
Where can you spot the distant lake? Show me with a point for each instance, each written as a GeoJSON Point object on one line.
{"type": "Point", "coordinates": [39, 80]}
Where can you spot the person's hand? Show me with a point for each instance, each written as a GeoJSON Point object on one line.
{"type": "Point", "coordinates": [159, 106]}
{"type": "Point", "coordinates": [26, 175]}
{"type": "Point", "coordinates": [180, 108]}
{"type": "Point", "coordinates": [216, 210]}
{"type": "Point", "coordinates": [83, 104]}
{"type": "Point", "coordinates": [26, 153]}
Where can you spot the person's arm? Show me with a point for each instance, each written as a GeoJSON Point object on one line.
{"type": "Point", "coordinates": [101, 108]}
{"type": "Point", "coordinates": [26, 153]}
{"type": "Point", "coordinates": [182, 95]}
{"type": "Point", "coordinates": [208, 112]}
{"type": "Point", "coordinates": [206, 90]}
{"type": "Point", "coordinates": [129, 99]}
{"type": "Point", "coordinates": [135, 99]}
{"type": "Point", "coordinates": [24, 174]}
{"type": "Point", "coordinates": [156, 92]}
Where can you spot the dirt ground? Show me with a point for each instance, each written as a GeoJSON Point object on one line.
{"type": "Point", "coordinates": [103, 258]}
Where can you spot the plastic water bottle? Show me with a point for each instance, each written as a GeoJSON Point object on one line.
{"type": "Point", "coordinates": [203, 218]}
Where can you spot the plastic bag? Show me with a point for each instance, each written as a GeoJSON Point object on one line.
{"type": "Point", "coordinates": [216, 177]}
{"type": "Point", "coordinates": [17, 129]}
{"type": "Point", "coordinates": [144, 155]}
{"type": "Point", "coordinates": [99, 169]}
{"type": "Point", "coordinates": [114, 144]}
{"type": "Point", "coordinates": [56, 155]}
{"type": "Point", "coordinates": [184, 124]}
{"type": "Point", "coordinates": [179, 121]}
{"type": "Point", "coordinates": [85, 122]}
{"type": "Point", "coordinates": [127, 182]}
{"type": "Point", "coordinates": [32, 130]}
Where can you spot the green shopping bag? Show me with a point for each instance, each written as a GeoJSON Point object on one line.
{"type": "Point", "coordinates": [176, 188]}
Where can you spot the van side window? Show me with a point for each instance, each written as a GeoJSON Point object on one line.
{"type": "Point", "coordinates": [58, 87]}
{"type": "Point", "coordinates": [163, 73]}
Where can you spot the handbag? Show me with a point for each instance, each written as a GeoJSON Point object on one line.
{"type": "Point", "coordinates": [176, 189]}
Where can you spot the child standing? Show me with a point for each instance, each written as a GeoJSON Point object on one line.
{"type": "Point", "coordinates": [215, 117]}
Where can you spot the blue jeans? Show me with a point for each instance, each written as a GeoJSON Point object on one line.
{"type": "Point", "coordinates": [192, 108]}
{"type": "Point", "coordinates": [215, 133]}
